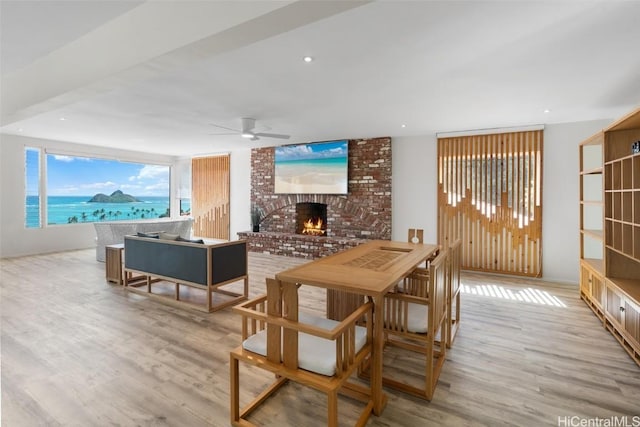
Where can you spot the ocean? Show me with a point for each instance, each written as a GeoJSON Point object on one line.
{"type": "Point", "coordinates": [69, 209]}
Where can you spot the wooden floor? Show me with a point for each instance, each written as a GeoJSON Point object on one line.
{"type": "Point", "coordinates": [78, 351]}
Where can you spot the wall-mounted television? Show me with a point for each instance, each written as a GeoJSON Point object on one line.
{"type": "Point", "coordinates": [313, 168]}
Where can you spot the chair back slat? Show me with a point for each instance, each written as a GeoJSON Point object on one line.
{"type": "Point", "coordinates": [274, 332]}
{"type": "Point", "coordinates": [290, 336]}
{"type": "Point", "coordinates": [438, 292]}
{"type": "Point", "coordinates": [455, 261]}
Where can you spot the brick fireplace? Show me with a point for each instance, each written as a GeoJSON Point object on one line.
{"type": "Point", "coordinates": [364, 213]}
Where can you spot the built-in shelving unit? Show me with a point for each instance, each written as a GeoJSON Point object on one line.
{"type": "Point", "coordinates": [610, 230]}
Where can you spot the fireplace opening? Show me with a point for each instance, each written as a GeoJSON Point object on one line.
{"type": "Point", "coordinates": [311, 219]}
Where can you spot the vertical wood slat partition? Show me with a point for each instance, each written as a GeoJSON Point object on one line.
{"type": "Point", "coordinates": [490, 196]}
{"type": "Point", "coordinates": [210, 185]}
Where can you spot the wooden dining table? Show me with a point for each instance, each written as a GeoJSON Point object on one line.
{"type": "Point", "coordinates": [371, 269]}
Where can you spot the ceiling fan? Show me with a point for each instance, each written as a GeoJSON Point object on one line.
{"type": "Point", "coordinates": [247, 131]}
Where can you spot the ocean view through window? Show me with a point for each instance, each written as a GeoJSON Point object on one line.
{"type": "Point", "coordinates": [32, 187]}
{"type": "Point", "coordinates": [85, 189]}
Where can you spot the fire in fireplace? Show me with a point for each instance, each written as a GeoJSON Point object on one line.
{"type": "Point", "coordinates": [311, 219]}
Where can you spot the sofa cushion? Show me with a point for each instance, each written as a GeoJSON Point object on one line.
{"type": "Point", "coordinates": [168, 236]}
{"type": "Point", "coordinates": [150, 235]}
{"type": "Point", "coordinates": [315, 354]}
{"type": "Point", "coordinates": [180, 239]}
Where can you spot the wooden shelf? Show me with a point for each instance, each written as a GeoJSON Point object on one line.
{"type": "Point", "coordinates": [596, 234]}
{"type": "Point", "coordinates": [595, 264]}
{"type": "Point", "coordinates": [616, 304]}
{"type": "Point", "coordinates": [596, 171]}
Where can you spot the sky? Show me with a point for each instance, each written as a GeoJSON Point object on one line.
{"type": "Point", "coordinates": [82, 176]}
{"type": "Point", "coordinates": [324, 150]}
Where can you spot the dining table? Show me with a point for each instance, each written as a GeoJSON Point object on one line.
{"type": "Point", "coordinates": [371, 269]}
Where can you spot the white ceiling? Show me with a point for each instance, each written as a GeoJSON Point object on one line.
{"type": "Point", "coordinates": [153, 76]}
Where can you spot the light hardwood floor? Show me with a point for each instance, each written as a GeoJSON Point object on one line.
{"type": "Point", "coordinates": [78, 351]}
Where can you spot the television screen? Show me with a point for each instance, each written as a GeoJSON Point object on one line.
{"type": "Point", "coordinates": [314, 168]}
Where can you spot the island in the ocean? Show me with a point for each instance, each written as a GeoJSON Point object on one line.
{"type": "Point", "coordinates": [115, 197]}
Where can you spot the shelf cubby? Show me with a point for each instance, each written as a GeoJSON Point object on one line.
{"type": "Point", "coordinates": [608, 172]}
{"type": "Point", "coordinates": [627, 206]}
{"type": "Point", "coordinates": [636, 241]}
{"type": "Point", "coordinates": [627, 173]}
{"type": "Point", "coordinates": [627, 239]}
{"type": "Point", "coordinates": [616, 209]}
{"type": "Point", "coordinates": [616, 175]}
{"type": "Point", "coordinates": [636, 206]}
{"type": "Point", "coordinates": [636, 171]}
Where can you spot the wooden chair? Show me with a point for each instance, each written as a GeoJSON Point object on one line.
{"type": "Point", "coordinates": [416, 320]}
{"type": "Point", "coordinates": [311, 350]}
{"type": "Point", "coordinates": [415, 235]}
{"type": "Point", "coordinates": [453, 291]}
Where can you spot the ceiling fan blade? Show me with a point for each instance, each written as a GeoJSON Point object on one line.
{"type": "Point", "coordinates": [224, 133]}
{"type": "Point", "coordinates": [224, 127]}
{"type": "Point", "coordinates": [273, 135]}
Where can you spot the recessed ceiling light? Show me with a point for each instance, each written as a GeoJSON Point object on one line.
{"type": "Point", "coordinates": [546, 111]}
{"type": "Point", "coordinates": [19, 129]}
{"type": "Point", "coordinates": [62, 118]}
{"type": "Point", "coordinates": [403, 126]}
{"type": "Point", "coordinates": [307, 59]}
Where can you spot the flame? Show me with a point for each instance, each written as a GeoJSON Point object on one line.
{"type": "Point", "coordinates": [313, 228]}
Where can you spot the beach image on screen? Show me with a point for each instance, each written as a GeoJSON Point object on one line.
{"type": "Point", "coordinates": [317, 168]}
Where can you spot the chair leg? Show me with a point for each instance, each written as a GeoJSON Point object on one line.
{"type": "Point", "coordinates": [235, 391]}
{"type": "Point", "coordinates": [332, 412]}
{"type": "Point", "coordinates": [429, 369]}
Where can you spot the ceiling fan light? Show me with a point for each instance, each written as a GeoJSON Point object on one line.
{"type": "Point", "coordinates": [246, 135]}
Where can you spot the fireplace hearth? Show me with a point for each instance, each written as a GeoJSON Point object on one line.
{"type": "Point", "coordinates": [311, 219]}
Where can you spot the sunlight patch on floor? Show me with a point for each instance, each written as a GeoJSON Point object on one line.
{"type": "Point", "coordinates": [526, 295]}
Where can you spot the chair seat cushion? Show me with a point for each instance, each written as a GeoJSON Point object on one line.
{"type": "Point", "coordinates": [418, 318]}
{"type": "Point", "coordinates": [315, 354]}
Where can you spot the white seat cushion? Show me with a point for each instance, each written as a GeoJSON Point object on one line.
{"type": "Point", "coordinates": [418, 318]}
{"type": "Point", "coordinates": [315, 354]}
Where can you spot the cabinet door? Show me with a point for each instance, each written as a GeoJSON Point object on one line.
{"type": "Point", "coordinates": [632, 322]}
{"type": "Point", "coordinates": [614, 307]}
{"type": "Point", "coordinates": [592, 285]}
{"type": "Point", "coordinates": [585, 281]}
{"type": "Point", "coordinates": [597, 289]}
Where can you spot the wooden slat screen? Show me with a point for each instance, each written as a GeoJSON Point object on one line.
{"type": "Point", "coordinates": [490, 196]}
{"type": "Point", "coordinates": [210, 196]}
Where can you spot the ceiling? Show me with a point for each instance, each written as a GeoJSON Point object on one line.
{"type": "Point", "coordinates": [154, 76]}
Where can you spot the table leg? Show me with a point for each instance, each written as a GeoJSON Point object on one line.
{"type": "Point", "coordinates": [379, 400]}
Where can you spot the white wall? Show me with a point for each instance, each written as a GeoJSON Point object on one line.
{"type": "Point", "coordinates": [15, 239]}
{"type": "Point", "coordinates": [415, 193]}
{"type": "Point", "coordinates": [560, 199]}
{"type": "Point", "coordinates": [240, 203]}
{"type": "Point", "coordinates": [414, 186]}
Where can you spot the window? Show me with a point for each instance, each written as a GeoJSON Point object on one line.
{"type": "Point", "coordinates": [32, 187]}
{"type": "Point", "coordinates": [85, 189]}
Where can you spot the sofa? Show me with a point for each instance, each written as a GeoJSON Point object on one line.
{"type": "Point", "coordinates": [217, 268]}
{"type": "Point", "coordinates": [111, 233]}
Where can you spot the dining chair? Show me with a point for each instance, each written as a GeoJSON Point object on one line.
{"type": "Point", "coordinates": [415, 319]}
{"type": "Point", "coordinates": [296, 346]}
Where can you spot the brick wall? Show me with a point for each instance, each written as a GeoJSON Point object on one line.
{"type": "Point", "coordinates": [364, 213]}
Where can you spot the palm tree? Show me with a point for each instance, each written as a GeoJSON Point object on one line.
{"type": "Point", "coordinates": [84, 217]}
